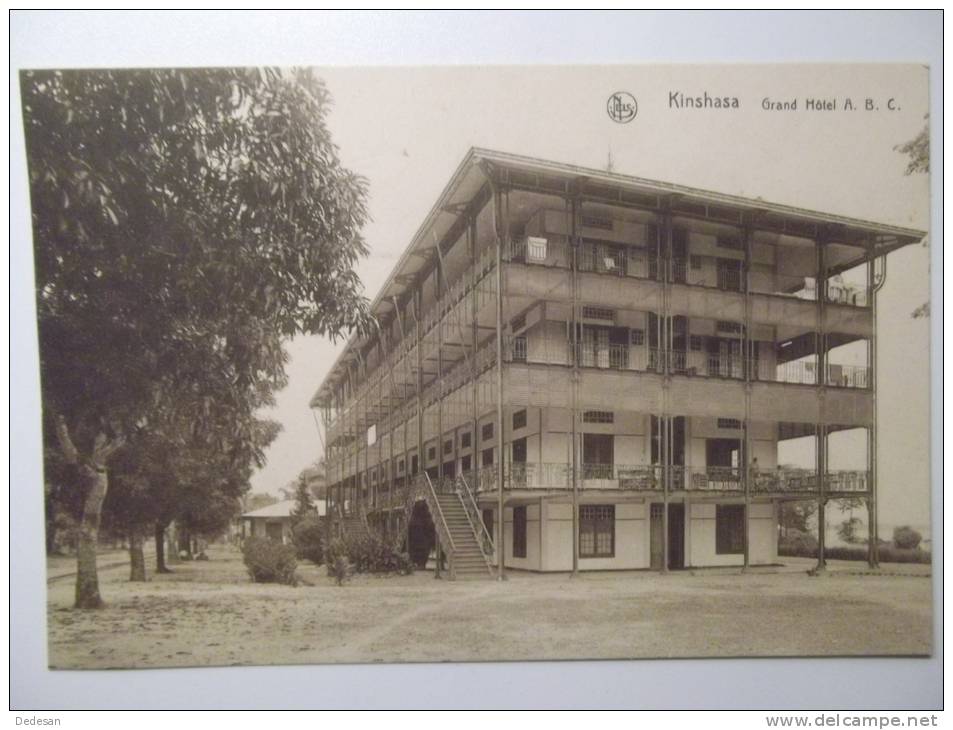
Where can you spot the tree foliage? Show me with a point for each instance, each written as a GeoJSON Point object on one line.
{"type": "Point", "coordinates": [304, 505]}
{"type": "Point", "coordinates": [185, 223]}
{"type": "Point", "coordinates": [918, 150]}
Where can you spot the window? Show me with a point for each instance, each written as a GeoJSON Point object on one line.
{"type": "Point", "coordinates": [725, 326]}
{"type": "Point", "coordinates": [432, 453]}
{"type": "Point", "coordinates": [598, 417]}
{"type": "Point", "coordinates": [413, 465]}
{"type": "Point", "coordinates": [729, 241]}
{"type": "Point", "coordinates": [519, 419]}
{"type": "Point", "coordinates": [696, 343]}
{"type": "Point", "coordinates": [465, 441]}
{"type": "Point", "coordinates": [696, 262]}
{"type": "Point", "coordinates": [519, 531]}
{"type": "Point", "coordinates": [637, 337]}
{"type": "Point", "coordinates": [536, 248]}
{"type": "Point", "coordinates": [730, 423]}
{"type": "Point", "coordinates": [598, 313]}
{"type": "Point", "coordinates": [400, 466]}
{"type": "Point", "coordinates": [729, 529]}
{"type": "Point", "coordinates": [592, 221]}
{"type": "Point", "coordinates": [448, 446]}
{"type": "Point", "coordinates": [519, 349]}
{"type": "Point", "coordinates": [487, 457]}
{"type": "Point", "coordinates": [486, 433]}
{"type": "Point", "coordinates": [597, 531]}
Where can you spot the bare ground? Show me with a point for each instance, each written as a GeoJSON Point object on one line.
{"type": "Point", "coordinates": [208, 614]}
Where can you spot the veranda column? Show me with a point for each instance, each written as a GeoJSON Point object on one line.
{"type": "Point", "coordinates": [498, 224]}
{"type": "Point", "coordinates": [666, 351]}
{"type": "Point", "coordinates": [820, 291]}
{"type": "Point", "coordinates": [873, 533]}
{"type": "Point", "coordinates": [574, 359]}
{"type": "Point", "coordinates": [747, 354]}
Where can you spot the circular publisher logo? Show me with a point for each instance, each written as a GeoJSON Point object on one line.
{"type": "Point", "coordinates": [622, 107]}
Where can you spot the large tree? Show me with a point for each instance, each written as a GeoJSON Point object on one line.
{"type": "Point", "coordinates": [185, 222]}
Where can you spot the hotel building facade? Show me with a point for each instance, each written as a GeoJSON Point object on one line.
{"type": "Point", "coordinates": [583, 370]}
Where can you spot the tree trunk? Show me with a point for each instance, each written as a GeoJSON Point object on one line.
{"type": "Point", "coordinates": [172, 543]}
{"type": "Point", "coordinates": [185, 544]}
{"type": "Point", "coordinates": [87, 579]}
{"type": "Point", "coordinates": [160, 550]}
{"type": "Point", "coordinates": [137, 561]}
{"type": "Point", "coordinates": [50, 537]}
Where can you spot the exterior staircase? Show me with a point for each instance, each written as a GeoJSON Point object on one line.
{"type": "Point", "coordinates": [466, 557]}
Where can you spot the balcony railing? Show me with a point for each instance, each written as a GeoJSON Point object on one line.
{"type": "Point", "coordinates": [632, 478]}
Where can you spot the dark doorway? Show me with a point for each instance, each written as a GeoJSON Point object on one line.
{"type": "Point", "coordinates": [421, 535]}
{"type": "Point", "coordinates": [518, 464]}
{"type": "Point", "coordinates": [519, 451]}
{"type": "Point", "coordinates": [598, 455]}
{"type": "Point", "coordinates": [656, 551]}
{"type": "Point", "coordinates": [676, 536]}
{"type": "Point", "coordinates": [722, 452]}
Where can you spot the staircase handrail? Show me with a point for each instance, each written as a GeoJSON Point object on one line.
{"type": "Point", "coordinates": [473, 516]}
{"type": "Point", "coordinates": [441, 526]}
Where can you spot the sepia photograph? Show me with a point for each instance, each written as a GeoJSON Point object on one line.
{"type": "Point", "coordinates": [359, 364]}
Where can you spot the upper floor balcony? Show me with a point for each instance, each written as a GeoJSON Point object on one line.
{"type": "Point", "coordinates": [728, 365]}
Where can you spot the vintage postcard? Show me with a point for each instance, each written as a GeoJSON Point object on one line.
{"type": "Point", "coordinates": [347, 365]}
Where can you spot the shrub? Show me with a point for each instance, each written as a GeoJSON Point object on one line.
{"type": "Point", "coordinates": [798, 544]}
{"type": "Point", "coordinates": [369, 554]}
{"type": "Point", "coordinates": [269, 561]}
{"type": "Point", "coordinates": [308, 539]}
{"type": "Point", "coordinates": [906, 538]}
{"type": "Point", "coordinates": [339, 568]}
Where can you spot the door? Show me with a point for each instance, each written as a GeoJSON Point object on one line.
{"type": "Point", "coordinates": [273, 531]}
{"type": "Point", "coordinates": [656, 550]}
{"type": "Point", "coordinates": [676, 536]}
{"type": "Point", "coordinates": [598, 455]}
{"type": "Point", "coordinates": [518, 463]}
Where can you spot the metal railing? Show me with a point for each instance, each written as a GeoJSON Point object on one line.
{"type": "Point", "coordinates": [608, 357]}
{"type": "Point", "coordinates": [484, 539]}
{"type": "Point", "coordinates": [440, 522]}
{"type": "Point", "coordinates": [848, 376]}
{"type": "Point", "coordinates": [622, 477]}
{"type": "Point", "coordinates": [717, 478]}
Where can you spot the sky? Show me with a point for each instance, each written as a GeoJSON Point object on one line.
{"type": "Point", "coordinates": [407, 129]}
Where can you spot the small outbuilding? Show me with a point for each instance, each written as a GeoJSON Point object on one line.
{"type": "Point", "coordinates": [274, 521]}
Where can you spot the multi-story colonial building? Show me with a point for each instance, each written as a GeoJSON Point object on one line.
{"type": "Point", "coordinates": [586, 370]}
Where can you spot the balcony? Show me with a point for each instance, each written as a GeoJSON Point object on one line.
{"type": "Point", "coordinates": [649, 477]}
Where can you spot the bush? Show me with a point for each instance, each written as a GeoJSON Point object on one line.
{"type": "Point", "coordinates": [798, 544]}
{"type": "Point", "coordinates": [269, 561]}
{"type": "Point", "coordinates": [369, 554]}
{"type": "Point", "coordinates": [339, 568]}
{"type": "Point", "coordinates": [906, 538]}
{"type": "Point", "coordinates": [308, 539]}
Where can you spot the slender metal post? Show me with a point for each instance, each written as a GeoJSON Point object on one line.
{"type": "Point", "coordinates": [873, 532]}
{"type": "Point", "coordinates": [574, 359]}
{"type": "Point", "coordinates": [747, 352]}
{"type": "Point", "coordinates": [821, 339]}
{"type": "Point", "coordinates": [666, 350]}
{"type": "Point", "coordinates": [500, 472]}
{"type": "Point", "coordinates": [438, 271]}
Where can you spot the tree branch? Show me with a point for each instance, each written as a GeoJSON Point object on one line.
{"type": "Point", "coordinates": [66, 441]}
